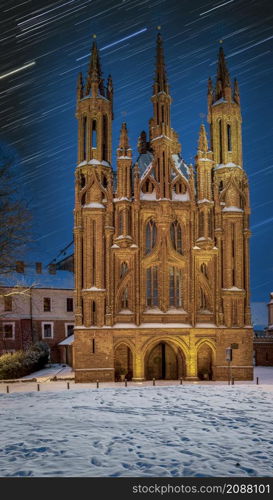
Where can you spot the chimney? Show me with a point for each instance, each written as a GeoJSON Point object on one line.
{"type": "Point", "coordinates": [20, 266]}
{"type": "Point", "coordinates": [38, 266]}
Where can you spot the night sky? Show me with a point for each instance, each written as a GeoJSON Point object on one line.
{"type": "Point", "coordinates": [52, 40]}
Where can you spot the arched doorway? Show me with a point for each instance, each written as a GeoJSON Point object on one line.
{"type": "Point", "coordinates": [205, 362]}
{"type": "Point", "coordinates": [123, 362]}
{"type": "Point", "coordinates": [164, 361]}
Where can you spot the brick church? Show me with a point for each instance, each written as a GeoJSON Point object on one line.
{"type": "Point", "coordinates": [161, 247]}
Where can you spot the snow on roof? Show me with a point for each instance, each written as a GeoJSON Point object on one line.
{"type": "Point", "coordinates": [144, 160]}
{"type": "Point", "coordinates": [94, 204]}
{"type": "Point", "coordinates": [226, 165]}
{"type": "Point", "coordinates": [67, 341]}
{"type": "Point", "coordinates": [232, 209]}
{"type": "Point", "coordinates": [220, 101]}
{"type": "Point", "coordinates": [181, 165]}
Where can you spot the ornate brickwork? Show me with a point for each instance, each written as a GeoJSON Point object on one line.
{"type": "Point", "coordinates": [161, 248]}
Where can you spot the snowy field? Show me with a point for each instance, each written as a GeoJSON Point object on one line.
{"type": "Point", "coordinates": [189, 430]}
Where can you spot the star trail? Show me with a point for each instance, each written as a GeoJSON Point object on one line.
{"type": "Point", "coordinates": [45, 44]}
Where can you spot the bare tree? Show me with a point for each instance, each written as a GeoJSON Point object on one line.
{"type": "Point", "coordinates": [14, 215]}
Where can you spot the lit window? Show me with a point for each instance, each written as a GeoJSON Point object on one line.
{"type": "Point", "coordinates": [150, 236]}
{"type": "Point", "coordinates": [124, 299]}
{"type": "Point", "coordinates": [123, 269]}
{"type": "Point", "coordinates": [151, 287]}
{"type": "Point", "coordinates": [175, 287]}
{"type": "Point", "coordinates": [176, 236]}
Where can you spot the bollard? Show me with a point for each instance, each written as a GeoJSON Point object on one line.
{"type": "Point", "coordinates": [38, 387]}
{"type": "Point", "coordinates": [181, 381]}
{"type": "Point", "coordinates": [68, 386]}
{"type": "Point", "coordinates": [153, 381]}
{"type": "Point", "coordinates": [232, 381]}
{"type": "Point", "coordinates": [7, 389]}
{"type": "Point", "coordinates": [257, 380]}
{"type": "Point", "coordinates": [125, 382]}
{"type": "Point", "coordinates": [98, 384]}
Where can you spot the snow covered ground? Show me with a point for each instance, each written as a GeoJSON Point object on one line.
{"type": "Point", "coordinates": [188, 430]}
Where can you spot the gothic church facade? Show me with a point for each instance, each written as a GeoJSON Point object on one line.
{"type": "Point", "coordinates": [161, 247]}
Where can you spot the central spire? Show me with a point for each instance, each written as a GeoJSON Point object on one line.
{"type": "Point", "coordinates": [160, 82]}
{"type": "Point", "coordinates": [223, 78]}
{"type": "Point", "coordinates": [94, 76]}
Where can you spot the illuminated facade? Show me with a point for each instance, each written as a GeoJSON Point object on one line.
{"type": "Point", "coordinates": [161, 248]}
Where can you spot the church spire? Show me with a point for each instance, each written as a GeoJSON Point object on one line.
{"type": "Point", "coordinates": [236, 93]}
{"type": "Point", "coordinates": [94, 76]}
{"type": "Point", "coordinates": [80, 86]}
{"type": "Point", "coordinates": [223, 79]}
{"type": "Point", "coordinates": [160, 82]}
{"type": "Point", "coordinates": [124, 147]}
{"type": "Point", "coordinates": [202, 141]}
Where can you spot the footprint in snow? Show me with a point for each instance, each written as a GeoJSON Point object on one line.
{"type": "Point", "coordinates": [95, 461]}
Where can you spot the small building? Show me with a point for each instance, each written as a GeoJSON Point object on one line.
{"type": "Point", "coordinates": [37, 305]}
{"type": "Point", "coordinates": [263, 340]}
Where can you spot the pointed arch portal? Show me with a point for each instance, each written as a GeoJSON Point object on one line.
{"type": "Point", "coordinates": [164, 361]}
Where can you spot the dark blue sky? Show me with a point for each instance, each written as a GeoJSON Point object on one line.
{"type": "Point", "coordinates": [38, 103]}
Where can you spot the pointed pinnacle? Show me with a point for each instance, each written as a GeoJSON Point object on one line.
{"type": "Point", "coordinates": [222, 71]}
{"type": "Point", "coordinates": [94, 70]}
{"type": "Point", "coordinates": [210, 86]}
{"type": "Point", "coordinates": [124, 141]}
{"type": "Point", "coordinates": [160, 84]}
{"type": "Point", "coordinates": [80, 86]}
{"type": "Point", "coordinates": [236, 92]}
{"type": "Point", "coordinates": [202, 141]}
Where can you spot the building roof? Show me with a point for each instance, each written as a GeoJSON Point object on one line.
{"type": "Point", "coordinates": [62, 279]}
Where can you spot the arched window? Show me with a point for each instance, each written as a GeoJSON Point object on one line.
{"type": "Point", "coordinates": [204, 269]}
{"type": "Point", "coordinates": [220, 143]}
{"type": "Point", "coordinates": [176, 236]}
{"type": "Point", "coordinates": [148, 187]}
{"type": "Point", "coordinates": [84, 137]}
{"type": "Point", "coordinates": [229, 141]}
{"type": "Point", "coordinates": [180, 187]}
{"type": "Point", "coordinates": [94, 134]}
{"type": "Point", "coordinates": [210, 225]}
{"type": "Point", "coordinates": [93, 313]}
{"type": "Point", "coordinates": [175, 287]}
{"type": "Point", "coordinates": [104, 181]}
{"type": "Point", "coordinates": [221, 186]}
{"type": "Point", "coordinates": [162, 113]}
{"type": "Point", "coordinates": [150, 236]}
{"type": "Point", "coordinates": [82, 180]}
{"type": "Point", "coordinates": [203, 300]}
{"type": "Point", "coordinates": [104, 137]}
{"type": "Point", "coordinates": [151, 287]}
{"type": "Point", "coordinates": [93, 246]}
{"type": "Point", "coordinates": [123, 269]}
{"type": "Point", "coordinates": [234, 313]}
{"type": "Point", "coordinates": [120, 223]}
{"type": "Point", "coordinates": [201, 225]}
{"type": "Point", "coordinates": [83, 199]}
{"type": "Point", "coordinates": [129, 222]}
{"type": "Point", "coordinates": [124, 299]}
